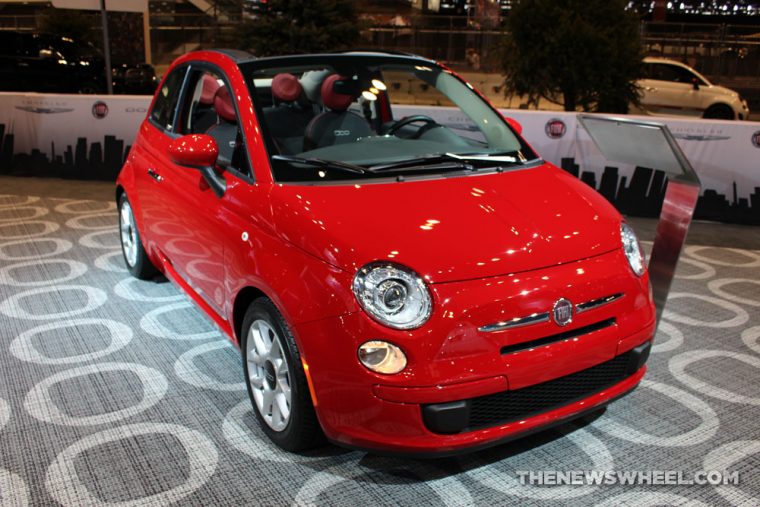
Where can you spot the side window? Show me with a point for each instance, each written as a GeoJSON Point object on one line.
{"type": "Point", "coordinates": [209, 109]}
{"type": "Point", "coordinates": [664, 73]}
{"type": "Point", "coordinates": [198, 112]}
{"type": "Point", "coordinates": [166, 101]}
{"type": "Point", "coordinates": [674, 73]}
{"type": "Point", "coordinates": [687, 76]}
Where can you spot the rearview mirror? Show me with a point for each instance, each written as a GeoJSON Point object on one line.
{"type": "Point", "coordinates": [199, 151]}
{"type": "Point", "coordinates": [516, 125]}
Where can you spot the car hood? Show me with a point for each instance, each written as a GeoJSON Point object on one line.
{"type": "Point", "coordinates": [722, 90]}
{"type": "Point", "coordinates": [450, 229]}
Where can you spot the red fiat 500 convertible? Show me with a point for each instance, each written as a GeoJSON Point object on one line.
{"type": "Point", "coordinates": [394, 284]}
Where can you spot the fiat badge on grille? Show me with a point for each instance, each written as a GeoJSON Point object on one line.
{"type": "Point", "coordinates": [562, 312]}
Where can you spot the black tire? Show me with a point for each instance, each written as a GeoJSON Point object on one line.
{"type": "Point", "coordinates": [302, 430]}
{"type": "Point", "coordinates": [719, 112]}
{"type": "Point", "coordinates": [141, 267]}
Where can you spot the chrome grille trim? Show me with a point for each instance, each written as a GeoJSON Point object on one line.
{"type": "Point", "coordinates": [596, 303]}
{"type": "Point", "coordinates": [534, 318]}
{"type": "Point", "coordinates": [537, 318]}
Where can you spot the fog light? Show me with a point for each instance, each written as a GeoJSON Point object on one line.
{"type": "Point", "coordinates": [382, 357]}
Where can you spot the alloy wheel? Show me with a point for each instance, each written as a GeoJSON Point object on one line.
{"type": "Point", "coordinates": [268, 375]}
{"type": "Point", "coordinates": [128, 233]}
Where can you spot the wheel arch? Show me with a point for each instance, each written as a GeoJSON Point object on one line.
{"type": "Point", "coordinates": [243, 300]}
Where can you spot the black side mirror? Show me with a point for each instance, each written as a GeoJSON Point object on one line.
{"type": "Point", "coordinates": [695, 83]}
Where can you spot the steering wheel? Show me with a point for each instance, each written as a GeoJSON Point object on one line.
{"type": "Point", "coordinates": [403, 122]}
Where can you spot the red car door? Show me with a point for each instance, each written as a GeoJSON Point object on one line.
{"type": "Point", "coordinates": [179, 209]}
{"type": "Point", "coordinates": [196, 248]}
{"type": "Point", "coordinates": [159, 223]}
{"type": "Point", "coordinates": [198, 214]}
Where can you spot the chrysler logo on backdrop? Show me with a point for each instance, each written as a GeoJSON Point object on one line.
{"type": "Point", "coordinates": [756, 139]}
{"type": "Point", "coordinates": [44, 110]}
{"type": "Point", "coordinates": [100, 110]}
{"type": "Point", "coordinates": [44, 106]}
{"type": "Point", "coordinates": [562, 312]}
{"type": "Point", "coordinates": [555, 128]}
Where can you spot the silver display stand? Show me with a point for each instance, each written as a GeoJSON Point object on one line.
{"type": "Point", "coordinates": [651, 145]}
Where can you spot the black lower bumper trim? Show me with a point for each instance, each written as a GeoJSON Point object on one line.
{"type": "Point", "coordinates": [484, 445]}
{"type": "Point", "coordinates": [507, 406]}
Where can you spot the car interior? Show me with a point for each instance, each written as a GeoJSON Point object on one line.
{"type": "Point", "coordinates": [341, 115]}
{"type": "Point", "coordinates": [350, 115]}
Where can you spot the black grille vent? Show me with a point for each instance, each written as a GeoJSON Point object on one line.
{"type": "Point", "coordinates": [509, 406]}
{"type": "Point", "coordinates": [566, 335]}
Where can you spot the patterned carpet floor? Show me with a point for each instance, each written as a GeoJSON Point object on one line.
{"type": "Point", "coordinates": [115, 391]}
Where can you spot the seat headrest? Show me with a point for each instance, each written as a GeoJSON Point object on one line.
{"type": "Point", "coordinates": [311, 82]}
{"type": "Point", "coordinates": [330, 98]}
{"type": "Point", "coordinates": [223, 104]}
{"type": "Point", "coordinates": [285, 87]}
{"type": "Point", "coordinates": [209, 87]}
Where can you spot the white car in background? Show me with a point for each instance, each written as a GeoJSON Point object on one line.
{"type": "Point", "coordinates": [672, 88]}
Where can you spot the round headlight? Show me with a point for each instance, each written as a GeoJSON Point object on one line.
{"type": "Point", "coordinates": [382, 357]}
{"type": "Point", "coordinates": [393, 295]}
{"type": "Point", "coordinates": [632, 249]}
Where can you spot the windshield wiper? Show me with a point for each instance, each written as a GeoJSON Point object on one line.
{"type": "Point", "coordinates": [418, 162]}
{"type": "Point", "coordinates": [510, 157]}
{"type": "Point", "coordinates": [447, 160]}
{"type": "Point", "coordinates": [326, 164]}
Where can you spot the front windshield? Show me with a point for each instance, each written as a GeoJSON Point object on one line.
{"type": "Point", "coordinates": [342, 117]}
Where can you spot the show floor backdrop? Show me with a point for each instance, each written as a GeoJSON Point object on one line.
{"type": "Point", "coordinates": [88, 137]}
{"type": "Point", "coordinates": [68, 136]}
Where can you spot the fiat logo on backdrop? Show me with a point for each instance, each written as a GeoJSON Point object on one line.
{"type": "Point", "coordinates": [563, 312]}
{"type": "Point", "coordinates": [100, 110]}
{"type": "Point", "coordinates": [555, 128]}
{"type": "Point", "coordinates": [756, 139]}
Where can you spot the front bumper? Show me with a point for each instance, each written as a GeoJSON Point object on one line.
{"type": "Point", "coordinates": [744, 111]}
{"type": "Point", "coordinates": [436, 405]}
{"type": "Point", "coordinates": [516, 405]}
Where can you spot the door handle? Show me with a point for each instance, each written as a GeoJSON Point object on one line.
{"type": "Point", "coordinates": [153, 174]}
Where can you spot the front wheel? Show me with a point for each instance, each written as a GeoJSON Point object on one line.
{"type": "Point", "coordinates": [276, 380]}
{"type": "Point", "coordinates": [135, 257]}
{"type": "Point", "coordinates": [720, 112]}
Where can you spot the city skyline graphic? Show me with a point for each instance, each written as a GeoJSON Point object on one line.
{"type": "Point", "coordinates": [82, 161]}
{"type": "Point", "coordinates": [644, 194]}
